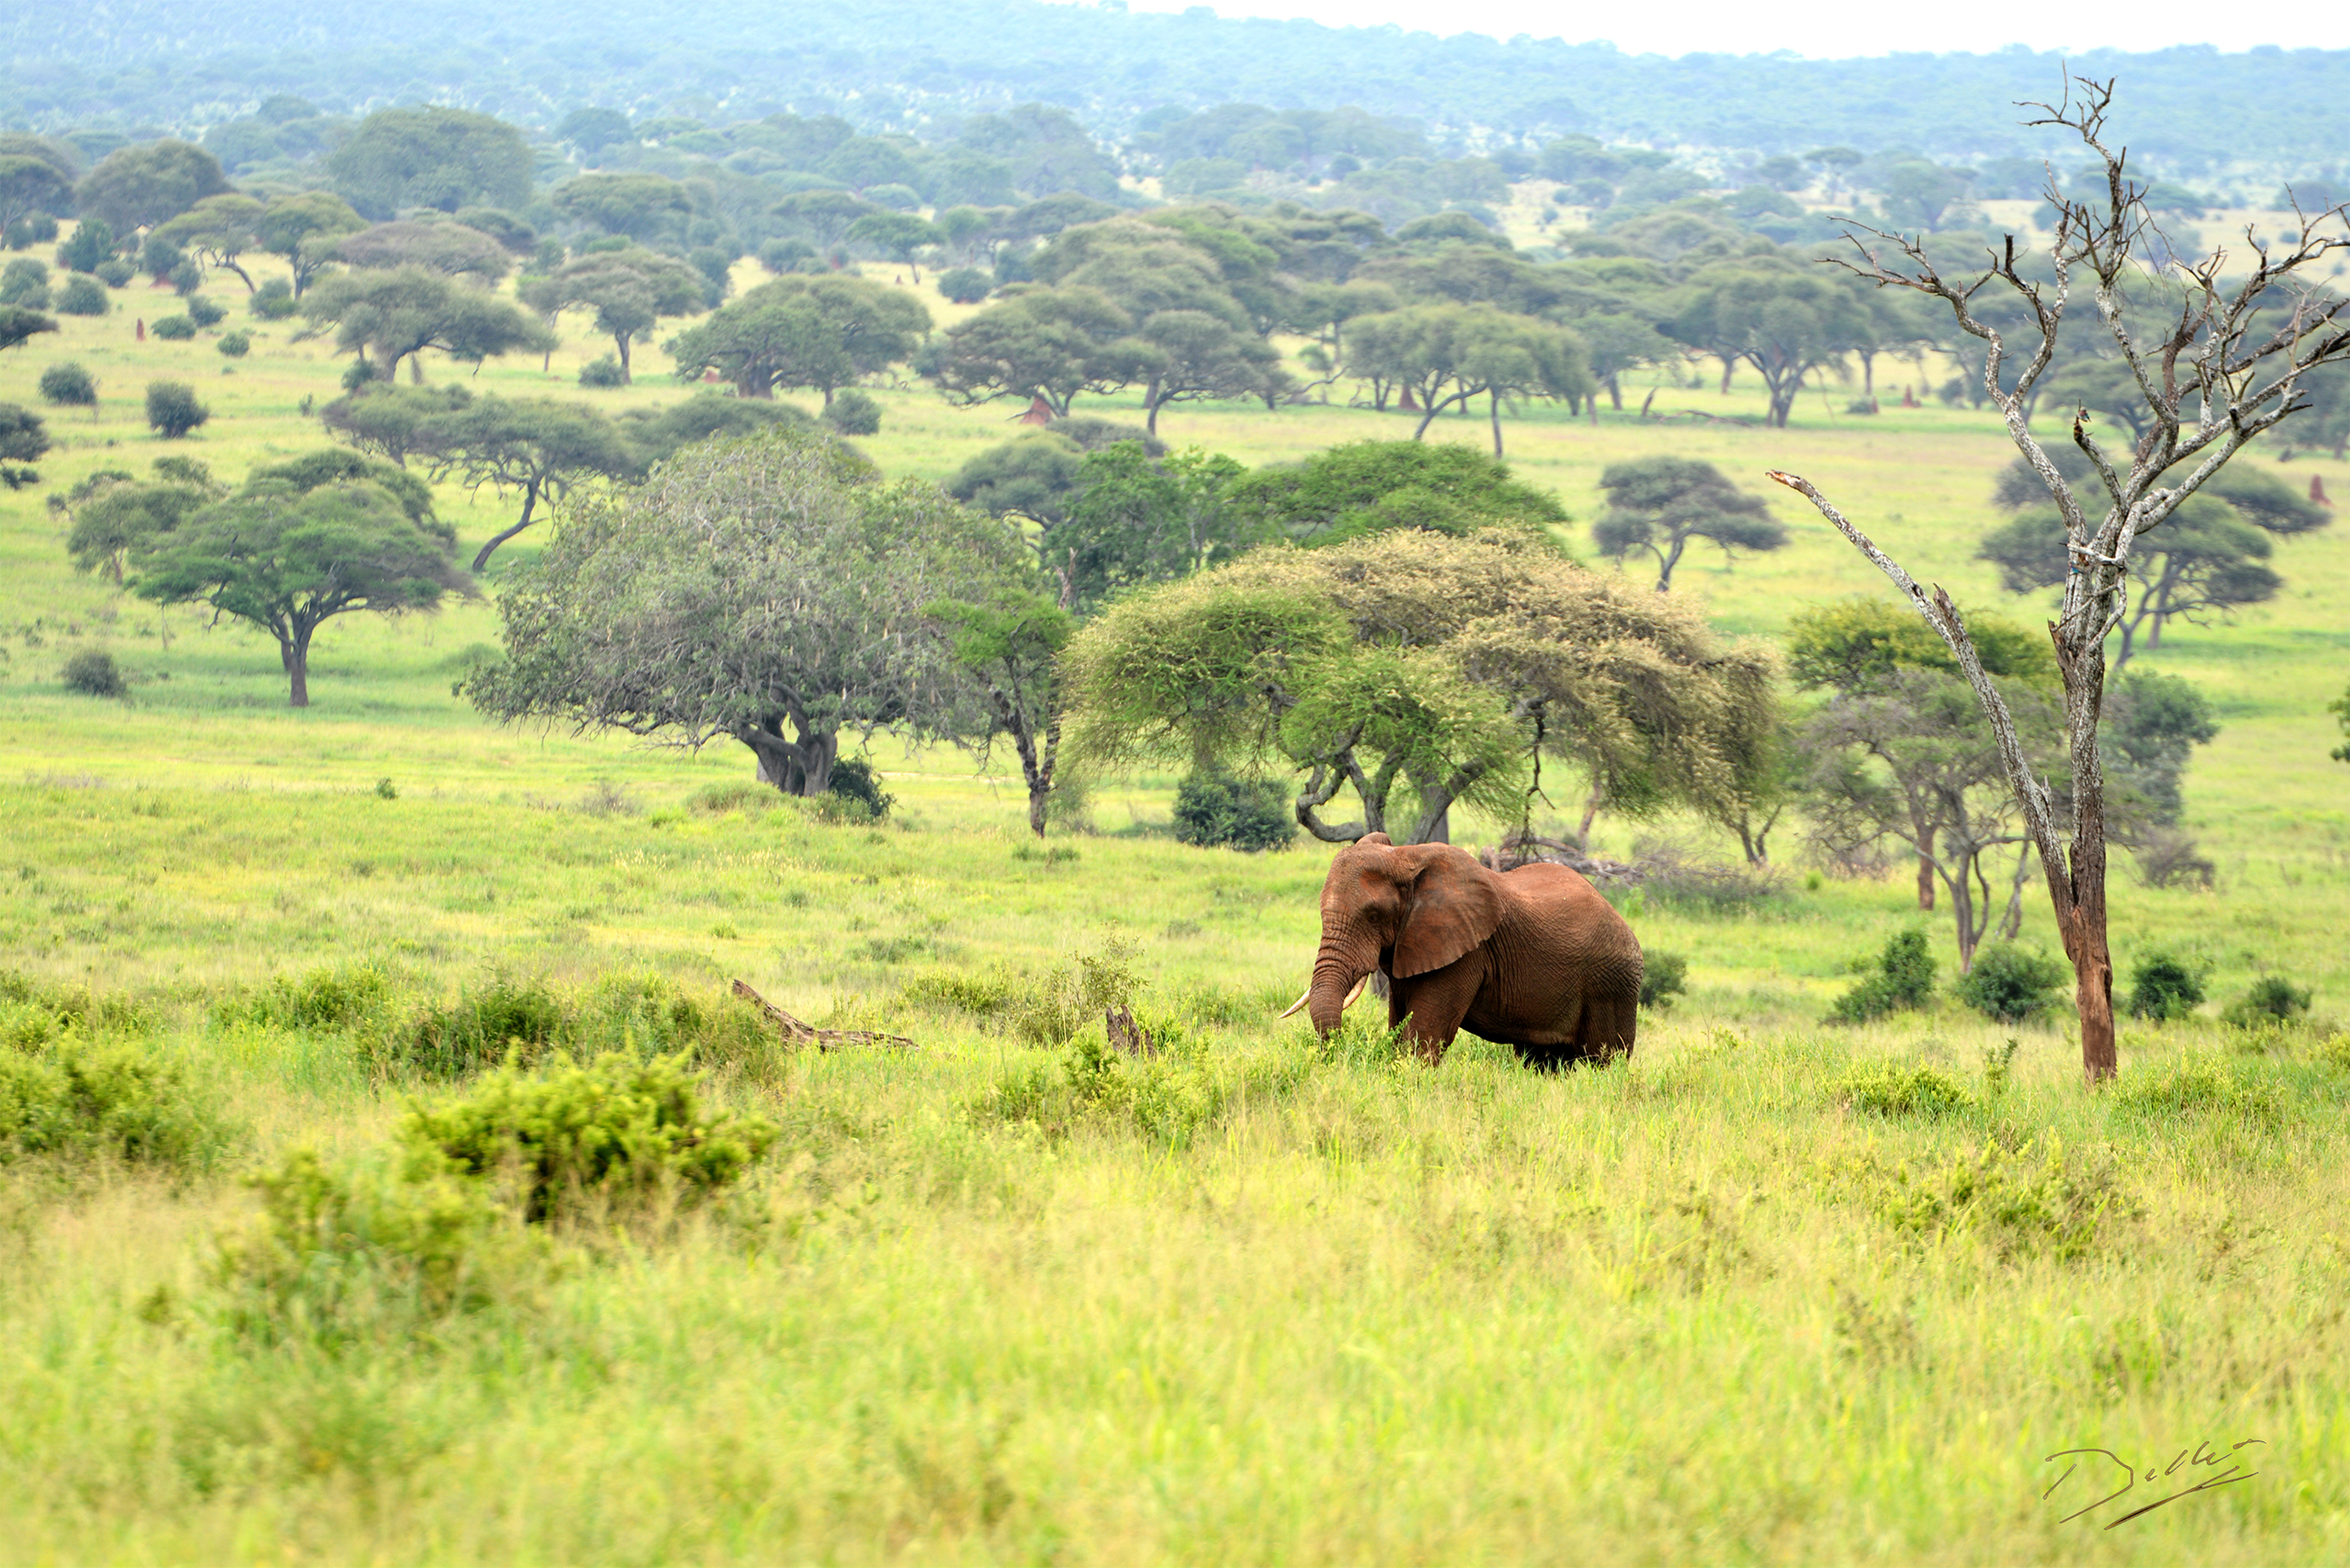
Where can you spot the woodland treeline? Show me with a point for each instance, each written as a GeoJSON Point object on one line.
{"type": "Point", "coordinates": [898, 66]}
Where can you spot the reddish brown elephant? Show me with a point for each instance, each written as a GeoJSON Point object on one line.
{"type": "Point", "coordinates": [1531, 958]}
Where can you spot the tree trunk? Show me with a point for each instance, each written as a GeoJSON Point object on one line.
{"type": "Point", "coordinates": [621, 339]}
{"type": "Point", "coordinates": [1615, 392]}
{"type": "Point", "coordinates": [529, 499]}
{"type": "Point", "coordinates": [1492, 411]}
{"type": "Point", "coordinates": [801, 767]}
{"type": "Point", "coordinates": [296, 653]}
{"type": "Point", "coordinates": [415, 369]}
{"type": "Point", "coordinates": [1151, 407]}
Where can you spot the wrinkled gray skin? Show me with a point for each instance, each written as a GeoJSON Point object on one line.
{"type": "Point", "coordinates": [1532, 958]}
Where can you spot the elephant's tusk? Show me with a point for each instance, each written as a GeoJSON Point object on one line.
{"type": "Point", "coordinates": [1353, 994]}
{"type": "Point", "coordinates": [1298, 1003]}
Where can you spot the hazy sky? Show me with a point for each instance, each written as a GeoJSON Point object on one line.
{"type": "Point", "coordinates": [1882, 26]}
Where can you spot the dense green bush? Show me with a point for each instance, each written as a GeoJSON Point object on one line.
{"type": "Point", "coordinates": [68, 384]}
{"type": "Point", "coordinates": [83, 295]}
{"type": "Point", "coordinates": [1214, 809]}
{"type": "Point", "coordinates": [1663, 976]}
{"type": "Point", "coordinates": [2059, 1204]}
{"type": "Point", "coordinates": [1904, 979]}
{"type": "Point", "coordinates": [1890, 1089]}
{"type": "Point", "coordinates": [603, 373]}
{"type": "Point", "coordinates": [206, 311]}
{"type": "Point", "coordinates": [236, 345]}
{"type": "Point", "coordinates": [854, 794]}
{"type": "Point", "coordinates": [2271, 1000]}
{"type": "Point", "coordinates": [114, 272]}
{"type": "Point", "coordinates": [173, 409]}
{"type": "Point", "coordinates": [331, 1000]}
{"type": "Point", "coordinates": [965, 285]}
{"type": "Point", "coordinates": [2163, 986]}
{"type": "Point", "coordinates": [25, 282]}
{"type": "Point", "coordinates": [526, 1020]}
{"type": "Point", "coordinates": [619, 1134]}
{"type": "Point", "coordinates": [505, 1017]}
{"type": "Point", "coordinates": [853, 412]}
{"type": "Point", "coordinates": [174, 329]}
{"type": "Point", "coordinates": [94, 673]}
{"type": "Point", "coordinates": [66, 1095]}
{"type": "Point", "coordinates": [2011, 983]}
{"type": "Point", "coordinates": [275, 302]}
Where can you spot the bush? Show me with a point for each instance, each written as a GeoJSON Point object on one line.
{"type": "Point", "coordinates": [332, 1000]}
{"type": "Point", "coordinates": [204, 312]}
{"type": "Point", "coordinates": [1903, 980]}
{"type": "Point", "coordinates": [853, 412]}
{"type": "Point", "coordinates": [83, 296]}
{"type": "Point", "coordinates": [174, 329]}
{"type": "Point", "coordinates": [25, 282]}
{"type": "Point", "coordinates": [186, 277]}
{"type": "Point", "coordinates": [2057, 1205]}
{"type": "Point", "coordinates": [66, 1096]}
{"type": "Point", "coordinates": [1215, 809]}
{"type": "Point", "coordinates": [965, 285]}
{"type": "Point", "coordinates": [2163, 987]}
{"type": "Point", "coordinates": [2271, 1000]}
{"type": "Point", "coordinates": [526, 1020]}
{"type": "Point", "coordinates": [115, 273]}
{"type": "Point", "coordinates": [603, 372]}
{"type": "Point", "coordinates": [275, 302]}
{"type": "Point", "coordinates": [94, 673]}
{"type": "Point", "coordinates": [2194, 1085]}
{"type": "Point", "coordinates": [854, 794]}
{"type": "Point", "coordinates": [2011, 983]}
{"type": "Point", "coordinates": [1891, 1090]}
{"type": "Point", "coordinates": [615, 1136]}
{"type": "Point", "coordinates": [1663, 976]}
{"type": "Point", "coordinates": [789, 255]}
{"type": "Point", "coordinates": [236, 345]}
{"type": "Point", "coordinates": [68, 384]}
{"type": "Point", "coordinates": [506, 1016]}
{"type": "Point", "coordinates": [32, 229]}
{"type": "Point", "coordinates": [174, 410]}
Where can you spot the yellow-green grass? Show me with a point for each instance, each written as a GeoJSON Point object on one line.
{"type": "Point", "coordinates": [1656, 1312]}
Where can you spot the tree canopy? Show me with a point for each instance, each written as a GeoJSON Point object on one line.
{"type": "Point", "coordinates": [819, 332]}
{"type": "Point", "coordinates": [766, 590]}
{"type": "Point", "coordinates": [629, 291]}
{"type": "Point", "coordinates": [397, 314]}
{"type": "Point", "coordinates": [430, 157]}
{"type": "Point", "coordinates": [134, 187]}
{"type": "Point", "coordinates": [1658, 504]}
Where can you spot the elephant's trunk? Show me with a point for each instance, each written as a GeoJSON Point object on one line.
{"type": "Point", "coordinates": [1339, 965]}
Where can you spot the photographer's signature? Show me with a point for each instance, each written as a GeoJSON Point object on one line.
{"type": "Point", "coordinates": [2198, 1469]}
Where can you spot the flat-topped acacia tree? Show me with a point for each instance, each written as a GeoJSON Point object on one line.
{"type": "Point", "coordinates": [2216, 360]}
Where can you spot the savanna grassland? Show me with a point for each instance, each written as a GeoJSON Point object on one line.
{"type": "Point", "coordinates": [1771, 1291]}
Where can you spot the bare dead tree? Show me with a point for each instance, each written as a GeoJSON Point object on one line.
{"type": "Point", "coordinates": [2217, 364]}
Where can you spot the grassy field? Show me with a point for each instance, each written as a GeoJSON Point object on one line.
{"type": "Point", "coordinates": [1770, 1292]}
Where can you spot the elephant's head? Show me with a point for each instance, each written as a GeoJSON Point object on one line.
{"type": "Point", "coordinates": [1406, 909]}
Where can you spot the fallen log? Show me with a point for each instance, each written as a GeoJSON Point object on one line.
{"type": "Point", "coordinates": [791, 1028]}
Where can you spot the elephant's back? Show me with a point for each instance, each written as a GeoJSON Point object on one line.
{"type": "Point", "coordinates": [1589, 926]}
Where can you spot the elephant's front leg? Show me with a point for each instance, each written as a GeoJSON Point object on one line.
{"type": "Point", "coordinates": [1436, 1003]}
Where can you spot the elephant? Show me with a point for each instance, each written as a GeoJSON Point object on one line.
{"type": "Point", "coordinates": [1531, 958]}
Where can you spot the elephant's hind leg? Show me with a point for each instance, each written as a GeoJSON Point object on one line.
{"type": "Point", "coordinates": [1610, 1023]}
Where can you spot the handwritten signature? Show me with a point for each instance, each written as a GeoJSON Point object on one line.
{"type": "Point", "coordinates": [2103, 1466]}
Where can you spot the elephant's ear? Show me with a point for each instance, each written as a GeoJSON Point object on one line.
{"type": "Point", "coordinates": [1449, 908]}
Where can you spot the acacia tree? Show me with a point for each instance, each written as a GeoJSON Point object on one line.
{"type": "Point", "coordinates": [2222, 370]}
{"type": "Point", "coordinates": [1052, 344]}
{"type": "Point", "coordinates": [767, 590]}
{"type": "Point", "coordinates": [1008, 645]}
{"type": "Point", "coordinates": [803, 331]}
{"type": "Point", "coordinates": [219, 229]}
{"type": "Point", "coordinates": [535, 447]}
{"type": "Point", "coordinates": [112, 512]}
{"type": "Point", "coordinates": [1423, 671]}
{"type": "Point", "coordinates": [304, 228]}
{"type": "Point", "coordinates": [300, 543]}
{"type": "Point", "coordinates": [628, 290]}
{"type": "Point", "coordinates": [1659, 504]}
{"type": "Point", "coordinates": [401, 313]}
{"type": "Point", "coordinates": [1449, 354]}
{"type": "Point", "coordinates": [1785, 323]}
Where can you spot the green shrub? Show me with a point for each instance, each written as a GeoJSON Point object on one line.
{"type": "Point", "coordinates": [1050, 1009]}
{"type": "Point", "coordinates": [853, 412]}
{"type": "Point", "coordinates": [740, 795]}
{"type": "Point", "coordinates": [2162, 986]}
{"type": "Point", "coordinates": [2056, 1205]}
{"type": "Point", "coordinates": [603, 373]}
{"type": "Point", "coordinates": [64, 1095]}
{"type": "Point", "coordinates": [236, 345]}
{"type": "Point", "coordinates": [174, 329]}
{"type": "Point", "coordinates": [1214, 809]}
{"type": "Point", "coordinates": [1663, 976]}
{"type": "Point", "coordinates": [1889, 1089]}
{"type": "Point", "coordinates": [854, 794]}
{"type": "Point", "coordinates": [965, 285]}
{"type": "Point", "coordinates": [94, 673]}
{"type": "Point", "coordinates": [174, 410]}
{"type": "Point", "coordinates": [67, 384]}
{"type": "Point", "coordinates": [73, 1008]}
{"type": "Point", "coordinates": [2012, 983]}
{"type": "Point", "coordinates": [613, 1137]}
{"type": "Point", "coordinates": [1903, 980]}
{"type": "Point", "coordinates": [984, 996]}
{"type": "Point", "coordinates": [505, 1017]}
{"type": "Point", "coordinates": [114, 272]}
{"type": "Point", "coordinates": [25, 282]}
{"type": "Point", "coordinates": [2271, 1000]}
{"type": "Point", "coordinates": [83, 296]}
{"type": "Point", "coordinates": [333, 1000]}
{"type": "Point", "coordinates": [275, 302]}
{"type": "Point", "coordinates": [204, 312]}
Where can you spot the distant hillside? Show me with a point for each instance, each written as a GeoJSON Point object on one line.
{"type": "Point", "coordinates": [180, 65]}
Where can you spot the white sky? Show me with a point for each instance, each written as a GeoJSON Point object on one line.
{"type": "Point", "coordinates": [1824, 29]}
